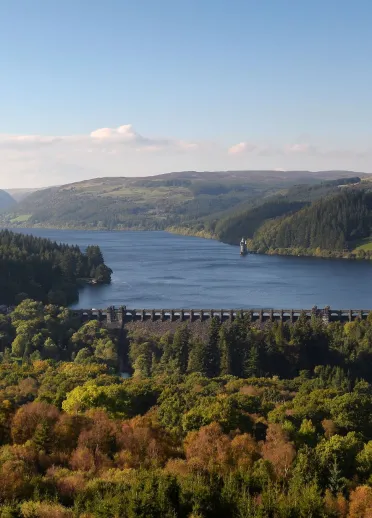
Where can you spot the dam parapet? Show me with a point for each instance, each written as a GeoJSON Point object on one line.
{"type": "Point", "coordinates": [117, 317]}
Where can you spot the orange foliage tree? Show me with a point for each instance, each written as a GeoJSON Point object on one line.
{"type": "Point", "coordinates": [278, 450]}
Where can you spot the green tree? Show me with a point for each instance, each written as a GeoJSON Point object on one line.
{"type": "Point", "coordinates": [252, 368]}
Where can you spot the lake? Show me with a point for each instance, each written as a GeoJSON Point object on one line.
{"type": "Point", "coordinates": [161, 270]}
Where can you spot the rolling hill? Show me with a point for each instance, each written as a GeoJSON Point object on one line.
{"type": "Point", "coordinates": [194, 200]}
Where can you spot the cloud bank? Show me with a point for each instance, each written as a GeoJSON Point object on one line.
{"type": "Point", "coordinates": [44, 160]}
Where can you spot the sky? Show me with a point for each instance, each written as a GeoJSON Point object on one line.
{"type": "Point", "coordinates": [140, 87]}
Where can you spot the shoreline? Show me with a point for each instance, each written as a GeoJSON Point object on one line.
{"type": "Point", "coordinates": [202, 234]}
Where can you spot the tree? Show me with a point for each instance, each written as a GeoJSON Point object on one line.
{"type": "Point", "coordinates": [253, 362]}
{"type": "Point", "coordinates": [225, 352]}
{"type": "Point", "coordinates": [176, 353]}
{"type": "Point", "coordinates": [105, 350]}
{"type": "Point", "coordinates": [278, 450]}
{"type": "Point", "coordinates": [360, 502]}
{"type": "Point", "coordinates": [344, 449]}
{"type": "Point", "coordinates": [211, 354]}
{"type": "Point", "coordinates": [204, 355]}
{"type": "Point", "coordinates": [180, 348]}
{"type": "Point", "coordinates": [307, 433]}
{"type": "Point", "coordinates": [34, 421]}
{"type": "Point", "coordinates": [50, 349]}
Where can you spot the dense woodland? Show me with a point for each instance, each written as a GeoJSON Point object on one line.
{"type": "Point", "coordinates": [331, 219]}
{"type": "Point", "coordinates": [246, 221]}
{"type": "Point", "coordinates": [332, 223]}
{"type": "Point", "coordinates": [324, 220]}
{"type": "Point", "coordinates": [246, 421]}
{"type": "Point", "coordinates": [47, 271]}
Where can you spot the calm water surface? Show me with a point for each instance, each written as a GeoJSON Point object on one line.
{"type": "Point", "coordinates": [161, 270]}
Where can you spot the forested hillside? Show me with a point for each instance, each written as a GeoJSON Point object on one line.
{"type": "Point", "coordinates": [154, 203]}
{"type": "Point", "coordinates": [246, 218]}
{"type": "Point", "coordinates": [231, 229]}
{"type": "Point", "coordinates": [247, 422]}
{"type": "Point", "coordinates": [332, 223]}
{"type": "Point", "coordinates": [330, 219]}
{"type": "Point", "coordinates": [47, 271]}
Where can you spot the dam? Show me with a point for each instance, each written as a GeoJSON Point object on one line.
{"type": "Point", "coordinates": [117, 317]}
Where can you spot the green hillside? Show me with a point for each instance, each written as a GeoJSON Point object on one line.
{"type": "Point", "coordinates": [246, 219]}
{"type": "Point", "coordinates": [194, 200]}
{"type": "Point", "coordinates": [335, 223]}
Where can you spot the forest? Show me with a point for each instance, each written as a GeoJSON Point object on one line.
{"type": "Point", "coordinates": [326, 220]}
{"type": "Point", "coordinates": [44, 270]}
{"type": "Point", "coordinates": [246, 421]}
{"type": "Point", "coordinates": [331, 223]}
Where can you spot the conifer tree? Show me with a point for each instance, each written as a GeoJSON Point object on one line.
{"type": "Point", "coordinates": [211, 354]}
{"type": "Point", "coordinates": [252, 362]}
{"type": "Point", "coordinates": [176, 353]}
{"type": "Point", "coordinates": [196, 357]}
{"type": "Point", "coordinates": [225, 352]}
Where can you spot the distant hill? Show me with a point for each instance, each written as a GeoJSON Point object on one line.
{"type": "Point", "coordinates": [6, 200]}
{"type": "Point", "coordinates": [19, 194]}
{"type": "Point", "coordinates": [192, 199]}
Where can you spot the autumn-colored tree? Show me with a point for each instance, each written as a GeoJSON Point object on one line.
{"type": "Point", "coordinates": [329, 427]}
{"type": "Point", "coordinates": [335, 505]}
{"type": "Point", "coordinates": [244, 451]}
{"type": "Point", "coordinates": [100, 434]}
{"type": "Point", "coordinates": [208, 449]}
{"type": "Point", "coordinates": [34, 418]}
{"type": "Point", "coordinates": [67, 430]}
{"type": "Point", "coordinates": [279, 450]}
{"type": "Point", "coordinates": [143, 443]}
{"type": "Point", "coordinates": [14, 480]}
{"type": "Point", "coordinates": [82, 459]}
{"type": "Point", "coordinates": [68, 483]}
{"type": "Point", "coordinates": [36, 509]}
{"type": "Point", "coordinates": [361, 502]}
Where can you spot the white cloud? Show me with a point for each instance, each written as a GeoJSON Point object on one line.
{"type": "Point", "coordinates": [123, 133]}
{"type": "Point", "coordinates": [241, 148]}
{"type": "Point", "coordinates": [42, 160]}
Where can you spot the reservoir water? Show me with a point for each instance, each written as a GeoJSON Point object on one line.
{"type": "Point", "coordinates": [161, 270]}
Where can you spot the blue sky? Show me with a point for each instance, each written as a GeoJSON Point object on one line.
{"type": "Point", "coordinates": [193, 84]}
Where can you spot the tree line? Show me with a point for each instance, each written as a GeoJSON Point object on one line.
{"type": "Point", "coordinates": [44, 270]}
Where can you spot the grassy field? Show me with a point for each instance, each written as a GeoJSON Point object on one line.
{"type": "Point", "coordinates": [21, 218]}
{"type": "Point", "coordinates": [363, 244]}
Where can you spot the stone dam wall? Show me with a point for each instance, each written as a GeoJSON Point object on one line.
{"type": "Point", "coordinates": [167, 319]}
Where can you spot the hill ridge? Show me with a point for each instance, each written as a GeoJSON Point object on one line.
{"type": "Point", "coordinates": [192, 198]}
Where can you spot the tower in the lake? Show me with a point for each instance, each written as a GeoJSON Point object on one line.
{"type": "Point", "coordinates": [243, 247]}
